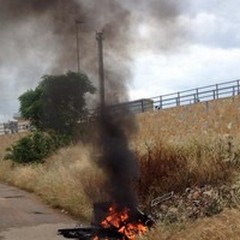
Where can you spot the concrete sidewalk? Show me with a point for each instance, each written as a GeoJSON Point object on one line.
{"type": "Point", "coordinates": [24, 217]}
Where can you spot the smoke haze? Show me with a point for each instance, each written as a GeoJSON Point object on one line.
{"type": "Point", "coordinates": [38, 37]}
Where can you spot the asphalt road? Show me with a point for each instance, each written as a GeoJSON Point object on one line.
{"type": "Point", "coordinates": [24, 217]}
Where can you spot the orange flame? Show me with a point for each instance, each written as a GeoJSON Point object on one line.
{"type": "Point", "coordinates": [120, 220]}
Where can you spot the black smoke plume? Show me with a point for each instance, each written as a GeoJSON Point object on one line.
{"type": "Point", "coordinates": [117, 160]}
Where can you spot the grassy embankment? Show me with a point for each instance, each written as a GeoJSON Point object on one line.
{"type": "Point", "coordinates": [177, 148]}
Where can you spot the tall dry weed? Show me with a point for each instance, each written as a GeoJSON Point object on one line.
{"type": "Point", "coordinates": [174, 166]}
{"type": "Point", "coordinates": [162, 169]}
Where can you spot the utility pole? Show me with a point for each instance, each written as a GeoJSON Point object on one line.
{"type": "Point", "coordinates": [78, 22]}
{"type": "Point", "coordinates": [100, 38]}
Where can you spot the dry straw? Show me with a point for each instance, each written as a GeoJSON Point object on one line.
{"type": "Point", "coordinates": [176, 148]}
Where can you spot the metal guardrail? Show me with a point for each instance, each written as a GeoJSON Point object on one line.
{"type": "Point", "coordinates": [202, 94]}
{"type": "Point", "coordinates": [181, 98]}
{"type": "Point", "coordinates": [187, 97]}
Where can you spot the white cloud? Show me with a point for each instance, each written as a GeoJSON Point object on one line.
{"type": "Point", "coordinates": [212, 30]}
{"type": "Point", "coordinates": [197, 66]}
{"type": "Point", "coordinates": [209, 51]}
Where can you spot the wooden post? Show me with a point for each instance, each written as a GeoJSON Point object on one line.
{"type": "Point", "coordinates": [78, 22]}
{"type": "Point", "coordinates": [99, 37]}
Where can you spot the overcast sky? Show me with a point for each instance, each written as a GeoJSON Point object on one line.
{"type": "Point", "coordinates": [206, 51]}
{"type": "Point", "coordinates": [210, 53]}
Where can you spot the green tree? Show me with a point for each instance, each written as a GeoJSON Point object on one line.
{"type": "Point", "coordinates": [57, 103]}
{"type": "Point", "coordinates": [30, 106]}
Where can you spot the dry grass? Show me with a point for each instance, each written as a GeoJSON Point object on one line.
{"type": "Point", "coordinates": [7, 140]}
{"type": "Point", "coordinates": [190, 145]}
{"type": "Point", "coordinates": [169, 167]}
{"type": "Point", "coordinates": [176, 148]}
{"type": "Point", "coordinates": [70, 180]}
{"type": "Point", "coordinates": [213, 118]}
{"type": "Point", "coordinates": [66, 180]}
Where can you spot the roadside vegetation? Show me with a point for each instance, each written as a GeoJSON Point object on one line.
{"type": "Point", "coordinates": [56, 109]}
{"type": "Point", "coordinates": [193, 156]}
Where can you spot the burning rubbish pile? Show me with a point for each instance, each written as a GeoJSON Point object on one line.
{"type": "Point", "coordinates": [119, 223]}
{"type": "Point", "coordinates": [119, 218]}
{"type": "Point", "coordinates": [127, 222]}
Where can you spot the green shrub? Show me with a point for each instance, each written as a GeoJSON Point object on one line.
{"type": "Point", "coordinates": [36, 147]}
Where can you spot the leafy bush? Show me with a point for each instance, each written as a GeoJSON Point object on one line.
{"type": "Point", "coordinates": [36, 147]}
